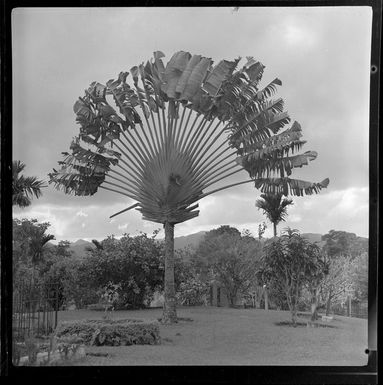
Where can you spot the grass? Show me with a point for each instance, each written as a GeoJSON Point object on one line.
{"type": "Point", "coordinates": [224, 336]}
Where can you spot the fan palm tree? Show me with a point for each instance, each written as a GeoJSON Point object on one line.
{"type": "Point", "coordinates": [274, 207]}
{"type": "Point", "coordinates": [177, 130]}
{"type": "Point", "coordinates": [24, 188]}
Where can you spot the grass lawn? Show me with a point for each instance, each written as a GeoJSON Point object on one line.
{"type": "Point", "coordinates": [224, 336]}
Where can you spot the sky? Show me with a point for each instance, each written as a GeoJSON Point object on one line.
{"type": "Point", "coordinates": [321, 54]}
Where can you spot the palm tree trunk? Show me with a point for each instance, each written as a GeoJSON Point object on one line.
{"type": "Point", "coordinates": [169, 312]}
{"type": "Point", "coordinates": [328, 303]}
{"type": "Point", "coordinates": [275, 229]}
{"type": "Point", "coordinates": [314, 306]}
{"type": "Point", "coordinates": [266, 300]}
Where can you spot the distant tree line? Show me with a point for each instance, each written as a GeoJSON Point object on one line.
{"type": "Point", "coordinates": [299, 275]}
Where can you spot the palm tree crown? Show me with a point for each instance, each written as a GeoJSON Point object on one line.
{"type": "Point", "coordinates": [274, 207]}
{"type": "Point", "coordinates": [24, 188]}
{"type": "Point", "coordinates": [178, 130]}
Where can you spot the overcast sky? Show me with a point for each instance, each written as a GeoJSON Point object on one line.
{"type": "Point", "coordinates": [322, 56]}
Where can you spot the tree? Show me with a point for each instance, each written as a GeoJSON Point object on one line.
{"type": "Point", "coordinates": [344, 251]}
{"type": "Point", "coordinates": [24, 188]}
{"type": "Point", "coordinates": [343, 243]}
{"type": "Point", "coordinates": [29, 244]}
{"type": "Point", "coordinates": [192, 288]}
{"type": "Point", "coordinates": [290, 263]}
{"type": "Point", "coordinates": [176, 132]}
{"type": "Point", "coordinates": [134, 264]}
{"type": "Point", "coordinates": [231, 259]}
{"type": "Point", "coordinates": [29, 252]}
{"type": "Point", "coordinates": [274, 207]}
{"type": "Point", "coordinates": [261, 230]}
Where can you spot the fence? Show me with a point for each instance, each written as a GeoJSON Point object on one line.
{"type": "Point", "coordinates": [358, 310]}
{"type": "Point", "coordinates": [34, 309]}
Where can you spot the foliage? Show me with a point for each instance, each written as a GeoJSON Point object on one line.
{"type": "Point", "coordinates": [193, 292]}
{"type": "Point", "coordinates": [347, 258]}
{"type": "Point", "coordinates": [72, 276]}
{"type": "Point", "coordinates": [359, 277]}
{"type": "Point", "coordinates": [24, 188]}
{"type": "Point", "coordinates": [132, 263]}
{"type": "Point", "coordinates": [274, 207]}
{"type": "Point", "coordinates": [290, 263]}
{"type": "Point", "coordinates": [339, 243]}
{"type": "Point", "coordinates": [29, 241]}
{"type": "Point", "coordinates": [47, 264]}
{"type": "Point", "coordinates": [229, 258]}
{"type": "Point", "coordinates": [261, 229]}
{"type": "Point", "coordinates": [112, 333]}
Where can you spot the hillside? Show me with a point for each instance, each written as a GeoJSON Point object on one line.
{"type": "Point", "coordinates": [314, 238]}
{"type": "Point", "coordinates": [191, 240]}
{"type": "Point", "coordinates": [79, 247]}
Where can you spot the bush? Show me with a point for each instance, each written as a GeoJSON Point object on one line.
{"type": "Point", "coordinates": [110, 332]}
{"type": "Point", "coordinates": [131, 267]}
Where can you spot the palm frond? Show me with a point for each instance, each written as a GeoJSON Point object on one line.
{"type": "Point", "coordinates": [287, 186]}
{"type": "Point", "coordinates": [24, 188]}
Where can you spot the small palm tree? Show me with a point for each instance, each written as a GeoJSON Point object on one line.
{"type": "Point", "coordinates": [37, 246]}
{"type": "Point", "coordinates": [274, 207]}
{"type": "Point", "coordinates": [24, 188]}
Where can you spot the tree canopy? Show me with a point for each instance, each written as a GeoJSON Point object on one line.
{"type": "Point", "coordinates": [24, 187]}
{"type": "Point", "coordinates": [167, 164]}
{"type": "Point", "coordinates": [229, 258]}
{"type": "Point", "coordinates": [274, 207]}
{"type": "Point", "coordinates": [290, 263]}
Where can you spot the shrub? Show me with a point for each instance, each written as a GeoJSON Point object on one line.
{"type": "Point", "coordinates": [110, 332]}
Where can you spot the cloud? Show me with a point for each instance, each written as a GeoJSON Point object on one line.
{"type": "Point", "coordinates": [320, 54]}
{"type": "Point", "coordinates": [81, 214]}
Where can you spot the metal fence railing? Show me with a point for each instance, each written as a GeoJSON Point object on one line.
{"type": "Point", "coordinates": [34, 309]}
{"type": "Point", "coordinates": [358, 310]}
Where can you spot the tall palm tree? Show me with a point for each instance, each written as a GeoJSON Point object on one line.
{"type": "Point", "coordinates": [177, 130]}
{"type": "Point", "coordinates": [24, 188]}
{"type": "Point", "coordinates": [274, 207]}
{"type": "Point", "coordinates": [37, 246]}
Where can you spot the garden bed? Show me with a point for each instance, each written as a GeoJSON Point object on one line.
{"type": "Point", "coordinates": [305, 324]}
{"type": "Point", "coordinates": [110, 332]}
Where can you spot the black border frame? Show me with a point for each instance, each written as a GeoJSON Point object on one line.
{"type": "Point", "coordinates": [191, 374]}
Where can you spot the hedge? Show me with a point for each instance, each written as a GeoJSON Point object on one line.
{"type": "Point", "coordinates": [110, 332]}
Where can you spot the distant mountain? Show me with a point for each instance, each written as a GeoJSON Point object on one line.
{"type": "Point", "coordinates": [191, 240]}
{"type": "Point", "coordinates": [314, 238]}
{"type": "Point", "coordinates": [79, 247]}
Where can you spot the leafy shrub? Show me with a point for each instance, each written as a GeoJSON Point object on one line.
{"type": "Point", "coordinates": [192, 292]}
{"type": "Point", "coordinates": [129, 268]}
{"type": "Point", "coordinates": [111, 332]}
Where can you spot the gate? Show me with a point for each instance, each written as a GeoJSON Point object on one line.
{"type": "Point", "coordinates": [34, 309]}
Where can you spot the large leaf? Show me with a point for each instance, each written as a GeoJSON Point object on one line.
{"type": "Point", "coordinates": [196, 78]}
{"type": "Point", "coordinates": [184, 78]}
{"type": "Point", "coordinates": [218, 75]}
{"type": "Point", "coordinates": [257, 168]}
{"type": "Point", "coordinates": [287, 186]}
{"type": "Point", "coordinates": [173, 72]}
{"type": "Point", "coordinates": [254, 70]}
